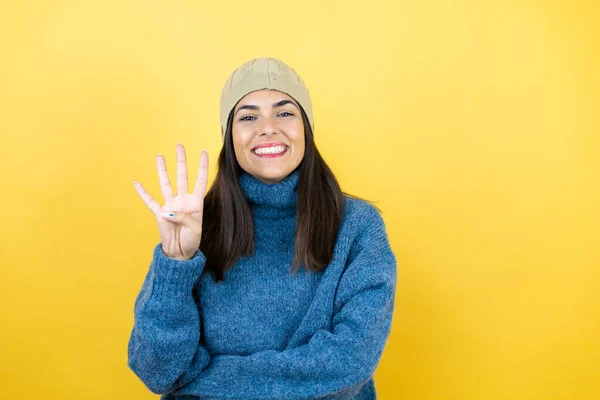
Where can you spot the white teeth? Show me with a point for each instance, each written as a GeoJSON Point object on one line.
{"type": "Point", "coordinates": [270, 150]}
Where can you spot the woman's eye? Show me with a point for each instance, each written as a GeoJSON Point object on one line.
{"type": "Point", "coordinates": [285, 112]}
{"type": "Point", "coordinates": [246, 118]}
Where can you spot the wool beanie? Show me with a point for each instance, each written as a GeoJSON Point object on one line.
{"type": "Point", "coordinates": [263, 73]}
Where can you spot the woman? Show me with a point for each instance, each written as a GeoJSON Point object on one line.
{"type": "Point", "coordinates": [276, 284]}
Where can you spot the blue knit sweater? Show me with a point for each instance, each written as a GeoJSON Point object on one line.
{"type": "Point", "coordinates": [265, 333]}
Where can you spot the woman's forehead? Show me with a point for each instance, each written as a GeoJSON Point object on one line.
{"type": "Point", "coordinates": [266, 96]}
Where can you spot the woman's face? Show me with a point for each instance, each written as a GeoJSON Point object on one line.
{"type": "Point", "coordinates": [268, 135]}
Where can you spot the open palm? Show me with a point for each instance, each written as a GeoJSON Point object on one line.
{"type": "Point", "coordinates": [181, 234]}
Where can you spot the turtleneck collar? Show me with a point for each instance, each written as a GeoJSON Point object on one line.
{"type": "Point", "coordinates": [276, 197]}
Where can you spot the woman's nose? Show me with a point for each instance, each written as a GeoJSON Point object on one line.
{"type": "Point", "coordinates": [269, 126]}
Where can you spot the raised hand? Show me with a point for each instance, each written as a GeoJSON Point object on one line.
{"type": "Point", "coordinates": [180, 233]}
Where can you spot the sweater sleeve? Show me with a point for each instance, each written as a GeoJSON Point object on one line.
{"type": "Point", "coordinates": [164, 348]}
{"type": "Point", "coordinates": [333, 364]}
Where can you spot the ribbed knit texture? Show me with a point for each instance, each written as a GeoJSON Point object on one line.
{"type": "Point", "coordinates": [264, 332]}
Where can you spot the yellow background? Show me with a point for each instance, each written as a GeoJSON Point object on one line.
{"type": "Point", "coordinates": [474, 125]}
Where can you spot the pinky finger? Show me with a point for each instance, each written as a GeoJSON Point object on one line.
{"type": "Point", "coordinates": [145, 196]}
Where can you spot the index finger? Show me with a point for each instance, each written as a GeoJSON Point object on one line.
{"type": "Point", "coordinates": [201, 181]}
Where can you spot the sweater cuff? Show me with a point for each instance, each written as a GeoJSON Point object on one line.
{"type": "Point", "coordinates": [175, 275]}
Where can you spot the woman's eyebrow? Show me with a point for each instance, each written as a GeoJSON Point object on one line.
{"type": "Point", "coordinates": [283, 103]}
{"type": "Point", "coordinates": [278, 104]}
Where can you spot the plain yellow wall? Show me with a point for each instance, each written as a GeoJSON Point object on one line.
{"type": "Point", "coordinates": [474, 125]}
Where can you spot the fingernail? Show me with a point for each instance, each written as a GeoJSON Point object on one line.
{"type": "Point", "coordinates": [167, 214]}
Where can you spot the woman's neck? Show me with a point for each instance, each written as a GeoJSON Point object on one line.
{"type": "Point", "coordinates": [271, 199]}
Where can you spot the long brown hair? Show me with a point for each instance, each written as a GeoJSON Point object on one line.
{"type": "Point", "coordinates": [227, 227]}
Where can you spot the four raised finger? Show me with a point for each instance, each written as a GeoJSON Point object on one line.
{"type": "Point", "coordinates": [182, 180]}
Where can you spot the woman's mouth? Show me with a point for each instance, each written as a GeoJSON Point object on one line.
{"type": "Point", "coordinates": [270, 152]}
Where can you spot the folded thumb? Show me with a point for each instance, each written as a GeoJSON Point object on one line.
{"type": "Point", "coordinates": [183, 218]}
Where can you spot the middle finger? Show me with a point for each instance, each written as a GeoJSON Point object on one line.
{"type": "Point", "coordinates": [182, 180]}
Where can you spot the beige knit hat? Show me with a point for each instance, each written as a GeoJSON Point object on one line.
{"type": "Point", "coordinates": [263, 73]}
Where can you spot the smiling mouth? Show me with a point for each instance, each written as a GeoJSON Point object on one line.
{"type": "Point", "coordinates": [270, 152]}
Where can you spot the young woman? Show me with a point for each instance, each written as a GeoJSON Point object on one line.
{"type": "Point", "coordinates": [276, 284]}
